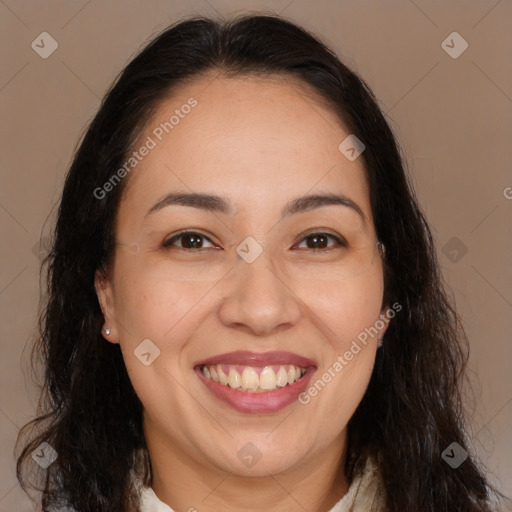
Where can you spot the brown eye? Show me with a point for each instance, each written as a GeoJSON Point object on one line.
{"type": "Point", "coordinates": [189, 240]}
{"type": "Point", "coordinates": [320, 241]}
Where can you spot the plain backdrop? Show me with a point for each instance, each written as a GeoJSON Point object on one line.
{"type": "Point", "coordinates": [451, 111]}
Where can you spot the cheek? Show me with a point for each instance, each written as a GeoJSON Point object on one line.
{"type": "Point", "coordinates": [346, 311]}
{"type": "Point", "coordinates": [148, 305]}
{"type": "Point", "coordinates": [344, 307]}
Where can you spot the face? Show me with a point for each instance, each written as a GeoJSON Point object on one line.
{"type": "Point", "coordinates": [225, 330]}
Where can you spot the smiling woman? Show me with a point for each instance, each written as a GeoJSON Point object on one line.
{"type": "Point", "coordinates": [252, 316]}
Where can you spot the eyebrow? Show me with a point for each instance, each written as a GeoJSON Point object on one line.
{"type": "Point", "coordinates": [219, 204]}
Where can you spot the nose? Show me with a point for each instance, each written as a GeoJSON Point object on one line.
{"type": "Point", "coordinates": [257, 299]}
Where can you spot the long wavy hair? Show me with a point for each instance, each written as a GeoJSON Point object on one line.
{"type": "Point", "coordinates": [89, 412]}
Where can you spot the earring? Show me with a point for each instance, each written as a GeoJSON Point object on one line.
{"type": "Point", "coordinates": [379, 344]}
{"type": "Point", "coordinates": [107, 331]}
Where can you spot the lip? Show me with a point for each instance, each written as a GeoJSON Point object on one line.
{"type": "Point", "coordinates": [258, 403]}
{"type": "Point", "coordinates": [246, 358]}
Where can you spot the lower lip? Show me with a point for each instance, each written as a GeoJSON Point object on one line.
{"type": "Point", "coordinates": [258, 403]}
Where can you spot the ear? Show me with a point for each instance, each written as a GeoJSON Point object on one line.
{"type": "Point", "coordinates": [105, 295]}
{"type": "Point", "coordinates": [385, 318]}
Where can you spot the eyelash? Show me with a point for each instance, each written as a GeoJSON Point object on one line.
{"type": "Point", "coordinates": [168, 243]}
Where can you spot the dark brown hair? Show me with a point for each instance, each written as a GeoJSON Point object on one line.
{"type": "Point", "coordinates": [412, 409]}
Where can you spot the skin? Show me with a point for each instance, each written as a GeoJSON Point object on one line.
{"type": "Point", "coordinates": [260, 142]}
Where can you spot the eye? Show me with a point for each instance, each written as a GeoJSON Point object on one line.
{"type": "Point", "coordinates": [193, 240]}
{"type": "Point", "coordinates": [319, 241]}
{"type": "Point", "coordinates": [190, 240]}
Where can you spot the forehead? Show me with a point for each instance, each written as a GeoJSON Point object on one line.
{"type": "Point", "coordinates": [249, 138]}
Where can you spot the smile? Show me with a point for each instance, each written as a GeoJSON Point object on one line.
{"type": "Point", "coordinates": [256, 383]}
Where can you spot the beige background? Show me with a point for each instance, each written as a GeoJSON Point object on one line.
{"type": "Point", "coordinates": [452, 117]}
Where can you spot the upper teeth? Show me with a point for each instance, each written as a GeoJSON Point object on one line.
{"type": "Point", "coordinates": [253, 379]}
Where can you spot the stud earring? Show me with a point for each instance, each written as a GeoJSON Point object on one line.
{"type": "Point", "coordinates": [107, 331]}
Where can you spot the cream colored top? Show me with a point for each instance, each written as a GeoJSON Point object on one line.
{"type": "Point", "coordinates": [365, 494]}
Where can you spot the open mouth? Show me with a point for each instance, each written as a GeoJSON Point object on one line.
{"type": "Point", "coordinates": [256, 382]}
{"type": "Point", "coordinates": [253, 379]}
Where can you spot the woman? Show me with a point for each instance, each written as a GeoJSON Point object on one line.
{"type": "Point", "coordinates": [245, 311]}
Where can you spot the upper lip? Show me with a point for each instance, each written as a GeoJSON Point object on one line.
{"type": "Point", "coordinates": [246, 358]}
